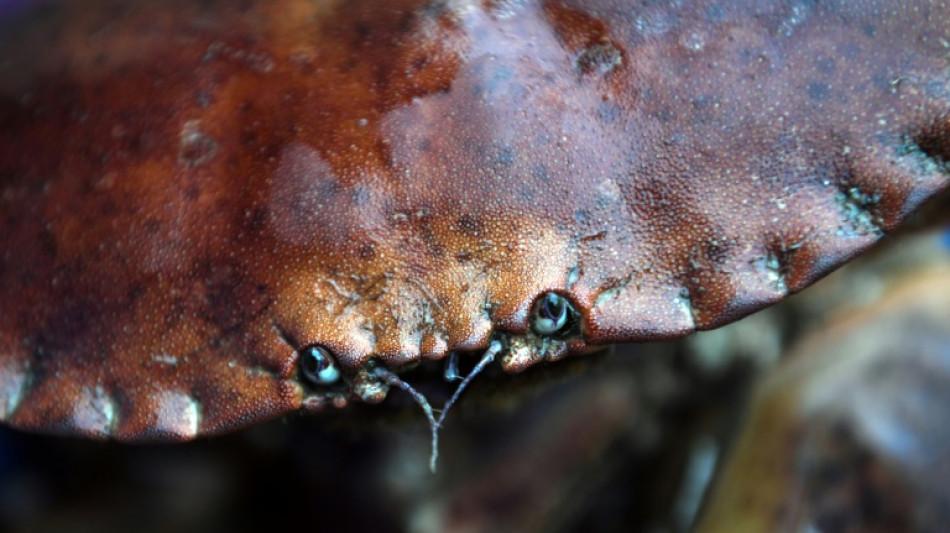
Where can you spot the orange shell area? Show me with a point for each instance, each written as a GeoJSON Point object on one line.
{"type": "Point", "coordinates": [191, 191]}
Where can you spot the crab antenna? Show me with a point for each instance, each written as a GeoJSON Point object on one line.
{"type": "Point", "coordinates": [394, 381]}
{"type": "Point", "coordinates": [493, 349]}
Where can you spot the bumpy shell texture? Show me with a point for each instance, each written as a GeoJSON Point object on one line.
{"type": "Point", "coordinates": [192, 192]}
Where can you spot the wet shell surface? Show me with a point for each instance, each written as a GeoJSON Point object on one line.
{"type": "Point", "coordinates": [212, 213]}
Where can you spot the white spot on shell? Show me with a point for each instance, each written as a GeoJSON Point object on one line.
{"type": "Point", "coordinates": [13, 379]}
{"type": "Point", "coordinates": [609, 191]}
{"type": "Point", "coordinates": [520, 355]}
{"type": "Point", "coordinates": [195, 147]}
{"type": "Point", "coordinates": [685, 307]}
{"type": "Point", "coordinates": [255, 61]}
{"type": "Point", "coordinates": [508, 9]}
{"type": "Point", "coordinates": [796, 17]}
{"type": "Point", "coordinates": [94, 412]}
{"type": "Point", "coordinates": [693, 41]}
{"type": "Point", "coordinates": [177, 413]}
{"type": "Point", "coordinates": [652, 25]}
{"type": "Point", "coordinates": [163, 359]}
{"type": "Point", "coordinates": [371, 391]}
{"type": "Point", "coordinates": [573, 275]}
{"type": "Point", "coordinates": [773, 272]}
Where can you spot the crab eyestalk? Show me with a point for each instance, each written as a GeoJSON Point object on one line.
{"type": "Point", "coordinates": [318, 366]}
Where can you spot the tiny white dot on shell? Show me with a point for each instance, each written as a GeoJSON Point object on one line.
{"type": "Point", "coordinates": [177, 413]}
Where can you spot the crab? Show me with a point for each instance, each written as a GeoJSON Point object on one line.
{"type": "Point", "coordinates": [216, 213]}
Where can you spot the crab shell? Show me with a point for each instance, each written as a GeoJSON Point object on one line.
{"type": "Point", "coordinates": [192, 192]}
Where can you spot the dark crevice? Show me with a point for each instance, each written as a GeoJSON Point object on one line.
{"type": "Point", "coordinates": [688, 288]}
{"type": "Point", "coordinates": [777, 264]}
{"type": "Point", "coordinates": [780, 254]}
{"type": "Point", "coordinates": [929, 148]}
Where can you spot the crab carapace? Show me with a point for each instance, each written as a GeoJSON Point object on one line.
{"type": "Point", "coordinates": [212, 213]}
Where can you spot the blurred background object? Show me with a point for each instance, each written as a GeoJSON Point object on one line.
{"type": "Point", "coordinates": [850, 433]}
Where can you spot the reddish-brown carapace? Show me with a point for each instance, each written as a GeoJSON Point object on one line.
{"type": "Point", "coordinates": [212, 213]}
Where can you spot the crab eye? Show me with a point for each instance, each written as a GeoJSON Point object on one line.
{"type": "Point", "coordinates": [551, 313]}
{"type": "Point", "coordinates": [318, 366]}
